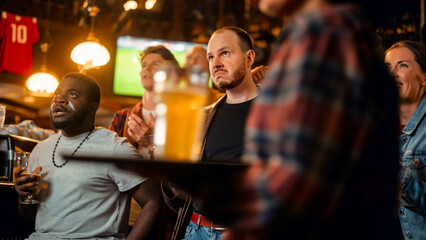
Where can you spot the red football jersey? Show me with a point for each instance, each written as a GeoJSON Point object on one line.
{"type": "Point", "coordinates": [18, 36]}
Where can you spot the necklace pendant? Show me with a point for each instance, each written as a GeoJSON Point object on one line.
{"type": "Point", "coordinates": [56, 145]}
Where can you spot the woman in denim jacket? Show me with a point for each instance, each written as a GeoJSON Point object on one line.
{"type": "Point", "coordinates": [407, 63]}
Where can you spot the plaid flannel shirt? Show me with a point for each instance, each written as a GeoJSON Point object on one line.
{"type": "Point", "coordinates": [321, 137]}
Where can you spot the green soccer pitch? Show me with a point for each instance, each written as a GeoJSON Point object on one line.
{"type": "Point", "coordinates": [127, 69]}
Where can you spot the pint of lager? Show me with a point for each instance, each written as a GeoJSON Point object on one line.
{"type": "Point", "coordinates": [180, 96]}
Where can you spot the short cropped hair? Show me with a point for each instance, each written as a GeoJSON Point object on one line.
{"type": "Point", "coordinates": [201, 47]}
{"type": "Point", "coordinates": [246, 42]}
{"type": "Point", "coordinates": [163, 51]}
{"type": "Point", "coordinates": [92, 84]}
{"type": "Point", "coordinates": [418, 49]}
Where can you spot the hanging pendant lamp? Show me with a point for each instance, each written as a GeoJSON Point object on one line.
{"type": "Point", "coordinates": [91, 53]}
{"type": "Point", "coordinates": [43, 82]}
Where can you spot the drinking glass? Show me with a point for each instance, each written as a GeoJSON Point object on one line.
{"type": "Point", "coordinates": [17, 162]}
{"type": "Point", "coordinates": [180, 98]}
{"type": "Point", "coordinates": [21, 160]}
{"type": "Point", "coordinates": [2, 115]}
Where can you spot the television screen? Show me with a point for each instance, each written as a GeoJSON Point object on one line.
{"type": "Point", "coordinates": [127, 66]}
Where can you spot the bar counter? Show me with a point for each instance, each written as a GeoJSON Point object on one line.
{"type": "Point", "coordinates": [12, 225]}
{"type": "Point", "coordinates": [6, 185]}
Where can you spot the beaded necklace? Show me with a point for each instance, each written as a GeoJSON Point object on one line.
{"type": "Point", "coordinates": [56, 145]}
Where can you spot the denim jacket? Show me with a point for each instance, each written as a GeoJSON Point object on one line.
{"type": "Point", "coordinates": [412, 212]}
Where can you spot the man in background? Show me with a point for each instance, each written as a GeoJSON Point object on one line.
{"type": "Point", "coordinates": [137, 124]}
{"type": "Point", "coordinates": [197, 56]}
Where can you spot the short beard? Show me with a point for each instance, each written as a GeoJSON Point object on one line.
{"type": "Point", "coordinates": [237, 77]}
{"type": "Point", "coordinates": [59, 125]}
{"type": "Point", "coordinates": [74, 122]}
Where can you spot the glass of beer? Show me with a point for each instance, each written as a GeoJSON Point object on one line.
{"type": "Point", "coordinates": [180, 98]}
{"type": "Point", "coordinates": [17, 162]}
{"type": "Point", "coordinates": [21, 160]}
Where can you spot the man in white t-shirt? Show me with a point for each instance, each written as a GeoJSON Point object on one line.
{"type": "Point", "coordinates": [84, 200]}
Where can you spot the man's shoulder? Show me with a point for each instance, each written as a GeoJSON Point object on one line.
{"type": "Point", "coordinates": [107, 142]}
{"type": "Point", "coordinates": [105, 134]}
{"type": "Point", "coordinates": [215, 104]}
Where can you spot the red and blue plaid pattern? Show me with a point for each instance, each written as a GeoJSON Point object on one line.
{"type": "Point", "coordinates": [322, 135]}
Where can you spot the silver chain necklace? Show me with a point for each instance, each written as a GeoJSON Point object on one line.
{"type": "Point", "coordinates": [56, 145]}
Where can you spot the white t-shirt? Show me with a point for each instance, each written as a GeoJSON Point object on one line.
{"type": "Point", "coordinates": [146, 114]}
{"type": "Point", "coordinates": [83, 199]}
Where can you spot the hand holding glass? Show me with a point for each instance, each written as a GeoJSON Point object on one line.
{"type": "Point", "coordinates": [21, 160]}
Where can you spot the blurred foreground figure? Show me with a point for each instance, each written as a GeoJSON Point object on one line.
{"type": "Point", "coordinates": [322, 136]}
{"type": "Point", "coordinates": [137, 125]}
{"type": "Point", "coordinates": [407, 63]}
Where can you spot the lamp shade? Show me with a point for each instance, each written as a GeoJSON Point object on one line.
{"type": "Point", "coordinates": [90, 54]}
{"type": "Point", "coordinates": [42, 82]}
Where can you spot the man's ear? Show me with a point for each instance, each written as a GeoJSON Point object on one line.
{"type": "Point", "coordinates": [94, 107]}
{"type": "Point", "coordinates": [250, 57]}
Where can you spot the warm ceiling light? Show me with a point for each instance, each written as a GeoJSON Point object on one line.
{"type": "Point", "coordinates": [149, 4]}
{"type": "Point", "coordinates": [42, 83]}
{"type": "Point", "coordinates": [130, 5]}
{"type": "Point", "coordinates": [91, 53]}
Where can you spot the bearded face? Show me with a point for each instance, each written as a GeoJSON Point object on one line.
{"type": "Point", "coordinates": [70, 107]}
{"type": "Point", "coordinates": [235, 79]}
{"type": "Point", "coordinates": [227, 61]}
{"type": "Point", "coordinates": [64, 116]}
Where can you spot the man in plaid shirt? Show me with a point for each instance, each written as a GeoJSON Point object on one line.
{"type": "Point", "coordinates": [322, 137]}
